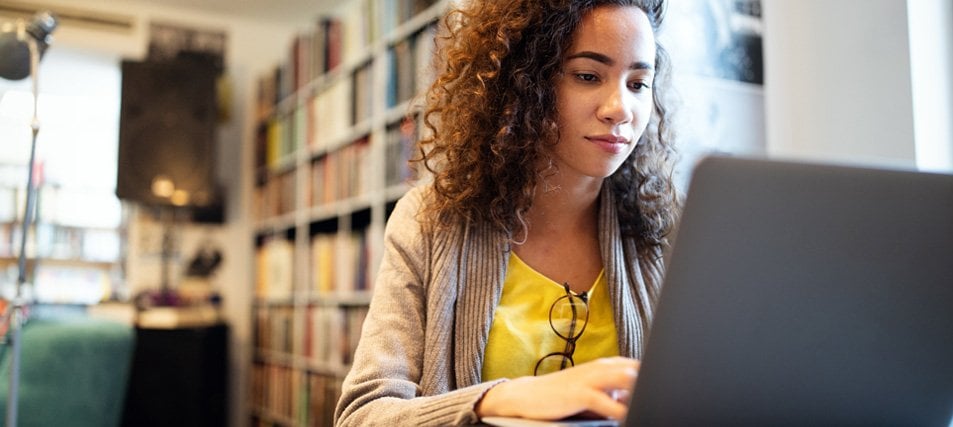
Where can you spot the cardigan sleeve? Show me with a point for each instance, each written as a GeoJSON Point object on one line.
{"type": "Point", "coordinates": [383, 385]}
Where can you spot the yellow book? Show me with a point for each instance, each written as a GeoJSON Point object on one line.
{"type": "Point", "coordinates": [322, 256]}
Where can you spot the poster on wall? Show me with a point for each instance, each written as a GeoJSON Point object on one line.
{"type": "Point", "coordinates": [168, 41]}
{"type": "Point", "coordinates": [717, 79]}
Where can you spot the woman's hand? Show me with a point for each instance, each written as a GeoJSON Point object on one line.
{"type": "Point", "coordinates": [599, 387]}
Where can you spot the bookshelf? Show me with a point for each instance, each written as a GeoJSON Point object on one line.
{"type": "Point", "coordinates": [336, 123]}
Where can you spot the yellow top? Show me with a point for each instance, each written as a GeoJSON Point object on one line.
{"type": "Point", "coordinates": [521, 334]}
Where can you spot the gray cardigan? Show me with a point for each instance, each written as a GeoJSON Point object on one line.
{"type": "Point", "coordinates": [420, 356]}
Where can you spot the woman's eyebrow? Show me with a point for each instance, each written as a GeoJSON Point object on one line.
{"type": "Point", "coordinates": [598, 57]}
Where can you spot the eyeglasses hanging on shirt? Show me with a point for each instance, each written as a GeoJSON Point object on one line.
{"type": "Point", "coordinates": [568, 317]}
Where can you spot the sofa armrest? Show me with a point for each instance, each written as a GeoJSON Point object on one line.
{"type": "Point", "coordinates": [73, 371]}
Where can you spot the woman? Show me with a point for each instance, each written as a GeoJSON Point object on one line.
{"type": "Point", "coordinates": [521, 282]}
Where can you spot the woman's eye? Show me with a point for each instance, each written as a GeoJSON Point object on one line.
{"type": "Point", "coordinates": [638, 86]}
{"type": "Point", "coordinates": [586, 77]}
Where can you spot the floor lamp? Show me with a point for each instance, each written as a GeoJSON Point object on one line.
{"type": "Point", "coordinates": [21, 48]}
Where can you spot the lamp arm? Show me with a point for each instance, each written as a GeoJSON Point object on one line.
{"type": "Point", "coordinates": [17, 316]}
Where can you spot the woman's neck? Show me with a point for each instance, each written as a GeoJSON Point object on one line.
{"type": "Point", "coordinates": [561, 205]}
{"type": "Point", "coordinates": [563, 233]}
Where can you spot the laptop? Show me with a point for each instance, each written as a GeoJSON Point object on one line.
{"type": "Point", "coordinates": [804, 294]}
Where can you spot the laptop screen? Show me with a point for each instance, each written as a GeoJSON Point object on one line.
{"type": "Point", "coordinates": [804, 294]}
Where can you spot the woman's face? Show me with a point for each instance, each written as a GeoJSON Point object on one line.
{"type": "Point", "coordinates": [604, 94]}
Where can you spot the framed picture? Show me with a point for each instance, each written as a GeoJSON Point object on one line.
{"type": "Point", "coordinates": [718, 78]}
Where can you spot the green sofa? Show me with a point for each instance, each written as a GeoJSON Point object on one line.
{"type": "Point", "coordinates": [73, 372]}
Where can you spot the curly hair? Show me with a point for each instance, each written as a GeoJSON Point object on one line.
{"type": "Point", "coordinates": [491, 116]}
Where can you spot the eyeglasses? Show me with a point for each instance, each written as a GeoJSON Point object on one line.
{"type": "Point", "coordinates": [568, 317]}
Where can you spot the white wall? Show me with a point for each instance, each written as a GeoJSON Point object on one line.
{"type": "Point", "coordinates": [931, 60]}
{"type": "Point", "coordinates": [253, 48]}
{"type": "Point", "coordinates": [838, 81]}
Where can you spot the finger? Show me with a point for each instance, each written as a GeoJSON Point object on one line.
{"type": "Point", "coordinates": [614, 376]}
{"type": "Point", "coordinates": [619, 363]}
{"type": "Point", "coordinates": [619, 360]}
{"type": "Point", "coordinates": [620, 395]}
{"type": "Point", "coordinates": [604, 405]}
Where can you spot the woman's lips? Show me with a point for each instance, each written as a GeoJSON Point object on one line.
{"type": "Point", "coordinates": [610, 143]}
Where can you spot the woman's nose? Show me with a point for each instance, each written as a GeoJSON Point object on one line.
{"type": "Point", "coordinates": [615, 108]}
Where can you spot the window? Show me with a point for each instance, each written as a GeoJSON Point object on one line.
{"type": "Point", "coordinates": [78, 234]}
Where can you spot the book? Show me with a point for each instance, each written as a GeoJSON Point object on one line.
{"type": "Point", "coordinates": [276, 261]}
{"type": "Point", "coordinates": [400, 143]}
{"type": "Point", "coordinates": [332, 114]}
{"type": "Point", "coordinates": [178, 317]}
{"type": "Point", "coordinates": [362, 94]}
{"type": "Point", "coordinates": [322, 263]}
